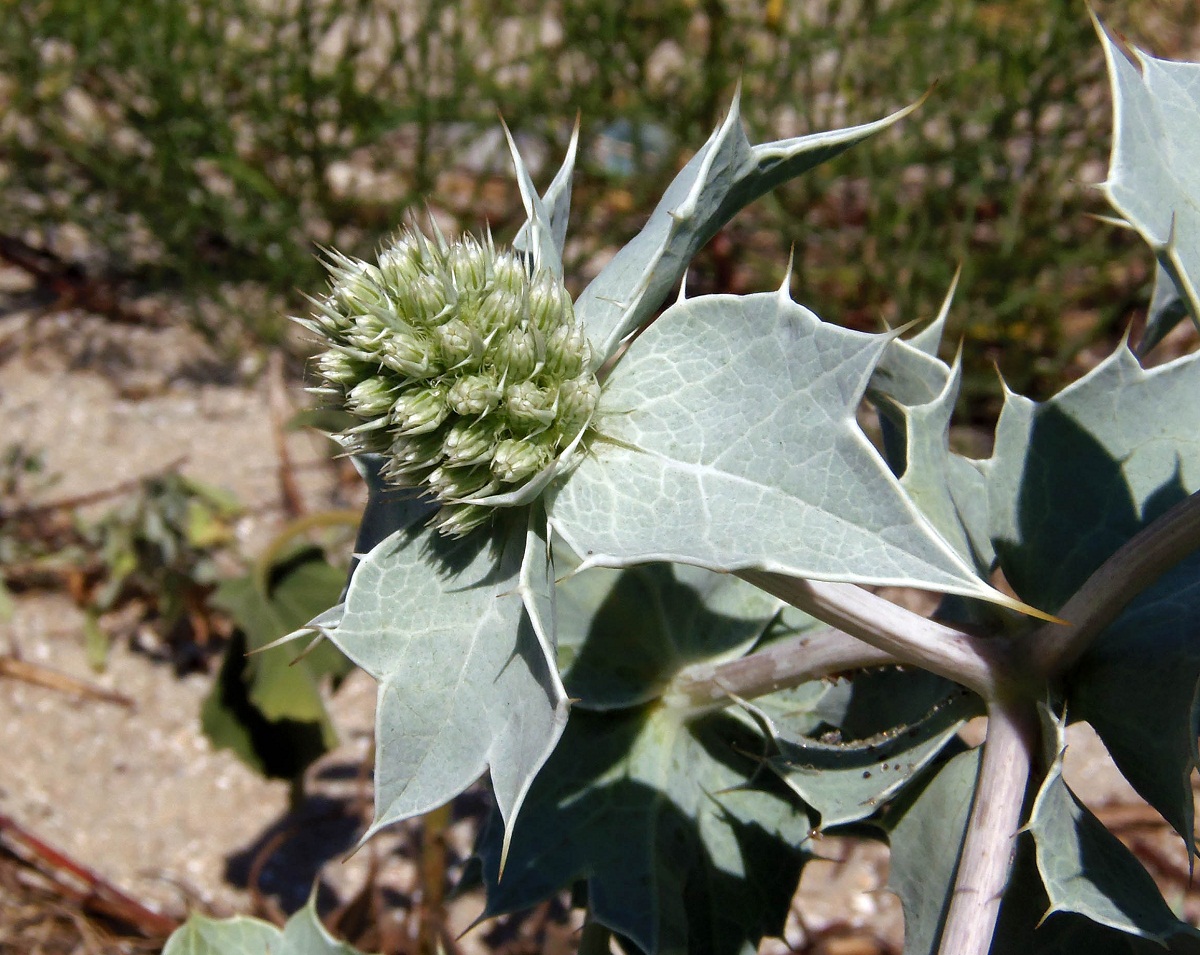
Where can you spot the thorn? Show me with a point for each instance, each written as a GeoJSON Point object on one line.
{"type": "Point", "coordinates": [785, 288]}
{"type": "Point", "coordinates": [573, 145]}
{"type": "Point", "coordinates": [442, 244]}
{"type": "Point", "coordinates": [287, 638]}
{"type": "Point", "coordinates": [735, 105]}
{"type": "Point", "coordinates": [1170, 243]}
{"type": "Point", "coordinates": [309, 649]}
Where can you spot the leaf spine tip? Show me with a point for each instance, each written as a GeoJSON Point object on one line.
{"type": "Point", "coordinates": [785, 288]}
{"type": "Point", "coordinates": [1030, 611]}
{"type": "Point", "coordinates": [956, 364]}
{"type": "Point", "coordinates": [312, 645]}
{"type": "Point", "coordinates": [504, 847]}
{"type": "Point", "coordinates": [286, 638]}
{"type": "Point", "coordinates": [735, 107]}
{"type": "Point", "coordinates": [1169, 245]}
{"type": "Point", "coordinates": [573, 146]}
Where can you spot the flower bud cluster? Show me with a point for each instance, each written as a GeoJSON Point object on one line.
{"type": "Point", "coordinates": [465, 366]}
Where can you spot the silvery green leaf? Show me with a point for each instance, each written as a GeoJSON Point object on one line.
{"type": "Point", "coordinates": [914, 393]}
{"type": "Point", "coordinates": [1073, 478]}
{"type": "Point", "coordinates": [1153, 179]}
{"type": "Point", "coordinates": [928, 338]}
{"type": "Point", "coordinates": [1069, 482]}
{"type": "Point", "coordinates": [1074, 934]}
{"type": "Point", "coordinates": [200, 935]}
{"type": "Point", "coordinates": [389, 508]}
{"type": "Point", "coordinates": [539, 228]}
{"type": "Point", "coordinates": [723, 177]}
{"type": "Point", "coordinates": [1167, 309]}
{"type": "Point", "coordinates": [681, 846]}
{"type": "Point", "coordinates": [1138, 685]}
{"type": "Point", "coordinates": [802, 710]}
{"type": "Point", "coordinates": [848, 780]}
{"type": "Point", "coordinates": [727, 439]}
{"type": "Point", "coordinates": [1086, 870]}
{"type": "Point", "coordinates": [950, 490]}
{"type": "Point", "coordinates": [634, 629]}
{"type": "Point", "coordinates": [302, 935]}
{"type": "Point", "coordinates": [908, 373]}
{"type": "Point", "coordinates": [1025, 929]}
{"type": "Point", "coordinates": [557, 202]}
{"type": "Point", "coordinates": [454, 632]}
{"type": "Point", "coordinates": [665, 818]}
{"type": "Point", "coordinates": [925, 830]}
{"type": "Point", "coordinates": [305, 935]}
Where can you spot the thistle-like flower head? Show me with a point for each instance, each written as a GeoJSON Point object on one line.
{"type": "Point", "coordinates": [464, 364]}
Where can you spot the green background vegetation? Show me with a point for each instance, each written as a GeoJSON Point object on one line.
{"type": "Point", "coordinates": [210, 148]}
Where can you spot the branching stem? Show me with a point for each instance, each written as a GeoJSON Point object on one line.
{"type": "Point", "coordinates": [1135, 565]}
{"type": "Point", "coordinates": [983, 866]}
{"type": "Point", "coordinates": [980, 664]}
{"type": "Point", "coordinates": [809, 656]}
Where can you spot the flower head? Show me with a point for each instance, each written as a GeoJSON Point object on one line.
{"type": "Point", "coordinates": [464, 365]}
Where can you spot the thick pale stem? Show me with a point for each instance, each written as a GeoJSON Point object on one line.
{"type": "Point", "coordinates": [986, 859]}
{"type": "Point", "coordinates": [979, 664]}
{"type": "Point", "coordinates": [705, 686]}
{"type": "Point", "coordinates": [1137, 564]}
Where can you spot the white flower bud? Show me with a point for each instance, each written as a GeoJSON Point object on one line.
{"type": "Point", "coordinates": [408, 355]}
{"type": "Point", "coordinates": [517, 459]}
{"type": "Point", "coordinates": [530, 408]}
{"type": "Point", "coordinates": [567, 351]}
{"type": "Point", "coordinates": [451, 483]}
{"type": "Point", "coordinates": [424, 299]}
{"type": "Point", "coordinates": [468, 442]}
{"type": "Point", "coordinates": [338, 368]}
{"type": "Point", "coordinates": [549, 304]}
{"type": "Point", "coordinates": [413, 454]}
{"type": "Point", "coordinates": [370, 397]}
{"type": "Point", "coordinates": [465, 366]}
{"type": "Point", "coordinates": [356, 289]}
{"type": "Point", "coordinates": [510, 274]}
{"type": "Point", "coordinates": [519, 352]}
{"type": "Point", "coordinates": [577, 400]}
{"type": "Point", "coordinates": [474, 395]}
{"type": "Point", "coordinates": [420, 411]}
{"type": "Point", "coordinates": [500, 310]}
{"type": "Point", "coordinates": [400, 262]}
{"type": "Point", "coordinates": [457, 520]}
{"type": "Point", "coordinates": [468, 264]}
{"type": "Point", "coordinates": [461, 345]}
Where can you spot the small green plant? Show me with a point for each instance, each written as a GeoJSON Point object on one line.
{"type": "Point", "coordinates": [266, 709]}
{"type": "Point", "coordinates": [21, 471]}
{"type": "Point", "coordinates": [161, 545]}
{"type": "Point", "coordinates": [643, 644]}
{"type": "Point", "coordinates": [159, 548]}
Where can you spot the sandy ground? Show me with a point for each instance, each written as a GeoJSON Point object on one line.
{"type": "Point", "coordinates": [140, 795]}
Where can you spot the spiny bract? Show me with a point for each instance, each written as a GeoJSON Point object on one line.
{"type": "Point", "coordinates": [465, 365]}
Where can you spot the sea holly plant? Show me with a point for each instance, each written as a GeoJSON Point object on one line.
{"type": "Point", "coordinates": [624, 562]}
